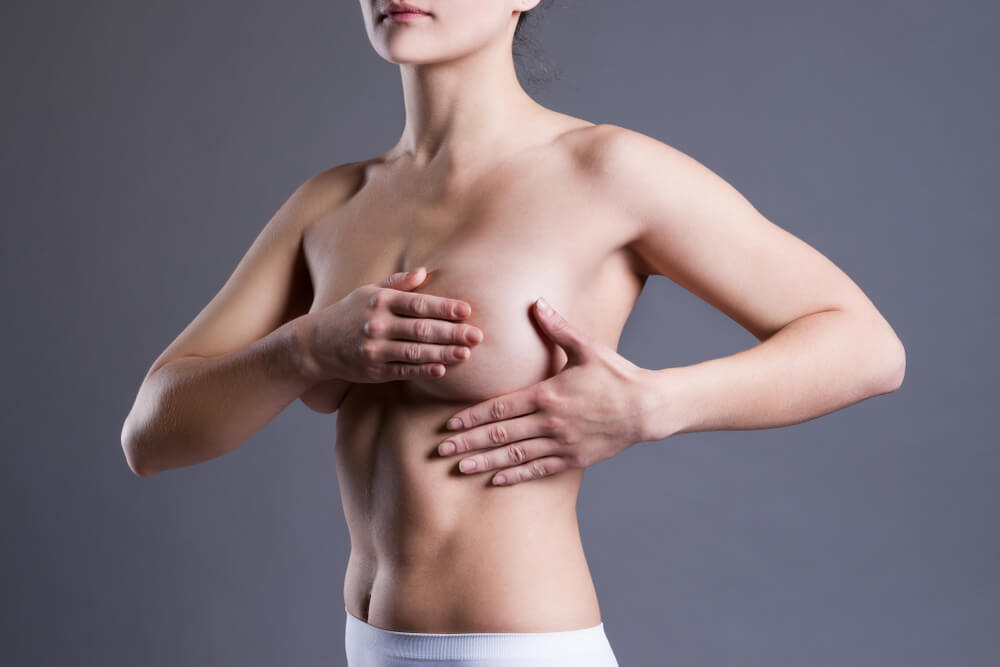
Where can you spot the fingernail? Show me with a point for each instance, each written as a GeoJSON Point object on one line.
{"type": "Point", "coordinates": [454, 423]}
{"type": "Point", "coordinates": [499, 479]}
{"type": "Point", "coordinates": [467, 465]}
{"type": "Point", "coordinates": [474, 336]}
{"type": "Point", "coordinates": [543, 306]}
{"type": "Point", "coordinates": [462, 309]}
{"type": "Point", "coordinates": [448, 448]}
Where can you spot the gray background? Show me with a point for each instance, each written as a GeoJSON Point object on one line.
{"type": "Point", "coordinates": [146, 143]}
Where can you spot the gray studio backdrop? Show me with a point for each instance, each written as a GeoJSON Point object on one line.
{"type": "Point", "coordinates": [144, 146]}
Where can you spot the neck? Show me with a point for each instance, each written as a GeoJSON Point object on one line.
{"type": "Point", "coordinates": [457, 111]}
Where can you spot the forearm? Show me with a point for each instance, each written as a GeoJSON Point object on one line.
{"type": "Point", "coordinates": [193, 409]}
{"type": "Point", "coordinates": [813, 366]}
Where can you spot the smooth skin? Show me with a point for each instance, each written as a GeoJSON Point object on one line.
{"type": "Point", "coordinates": [244, 346]}
{"type": "Point", "coordinates": [824, 345]}
{"type": "Point", "coordinates": [495, 201]}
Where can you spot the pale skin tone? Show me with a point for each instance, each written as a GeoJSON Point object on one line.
{"type": "Point", "coordinates": [351, 300]}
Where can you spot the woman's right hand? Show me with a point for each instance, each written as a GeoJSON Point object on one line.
{"type": "Point", "coordinates": [381, 332]}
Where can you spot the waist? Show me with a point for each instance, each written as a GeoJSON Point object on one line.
{"type": "Point", "coordinates": [405, 503]}
{"type": "Point", "coordinates": [367, 644]}
{"type": "Point", "coordinates": [434, 549]}
{"type": "Point", "coordinates": [486, 578]}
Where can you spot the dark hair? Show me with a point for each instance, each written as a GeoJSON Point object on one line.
{"type": "Point", "coordinates": [528, 61]}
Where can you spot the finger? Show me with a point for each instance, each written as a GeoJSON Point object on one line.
{"type": "Point", "coordinates": [512, 455]}
{"type": "Point", "coordinates": [405, 279]}
{"type": "Point", "coordinates": [427, 305]}
{"type": "Point", "coordinates": [402, 371]}
{"type": "Point", "coordinates": [494, 434]}
{"type": "Point", "coordinates": [516, 403]}
{"type": "Point", "coordinates": [426, 331]}
{"type": "Point", "coordinates": [534, 469]}
{"type": "Point", "coordinates": [559, 329]}
{"type": "Point", "coordinates": [414, 353]}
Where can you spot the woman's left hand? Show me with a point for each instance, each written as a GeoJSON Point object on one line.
{"type": "Point", "coordinates": [594, 408]}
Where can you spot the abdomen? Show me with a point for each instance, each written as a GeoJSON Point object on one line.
{"type": "Point", "coordinates": [434, 549]}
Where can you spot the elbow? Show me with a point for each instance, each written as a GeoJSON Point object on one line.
{"type": "Point", "coordinates": [326, 397]}
{"type": "Point", "coordinates": [139, 470]}
{"type": "Point", "coordinates": [894, 360]}
{"type": "Point", "coordinates": [136, 464]}
{"type": "Point", "coordinates": [319, 405]}
{"type": "Point", "coordinates": [132, 449]}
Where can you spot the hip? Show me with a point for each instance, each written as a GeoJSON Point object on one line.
{"type": "Point", "coordinates": [367, 645]}
{"type": "Point", "coordinates": [522, 587]}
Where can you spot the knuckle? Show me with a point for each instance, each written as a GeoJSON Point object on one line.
{"type": "Point", "coordinates": [498, 409]}
{"type": "Point", "coordinates": [374, 327]}
{"type": "Point", "coordinates": [419, 304]}
{"type": "Point", "coordinates": [517, 454]}
{"type": "Point", "coordinates": [552, 423]}
{"type": "Point", "coordinates": [378, 299]}
{"type": "Point", "coordinates": [411, 351]}
{"type": "Point", "coordinates": [546, 397]}
{"type": "Point", "coordinates": [538, 469]}
{"type": "Point", "coordinates": [369, 350]}
{"type": "Point", "coordinates": [422, 329]}
{"type": "Point", "coordinates": [497, 434]}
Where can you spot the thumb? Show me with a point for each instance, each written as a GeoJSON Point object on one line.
{"type": "Point", "coordinates": [560, 330]}
{"type": "Point", "coordinates": [405, 280]}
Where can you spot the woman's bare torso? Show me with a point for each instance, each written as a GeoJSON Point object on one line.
{"type": "Point", "coordinates": [434, 549]}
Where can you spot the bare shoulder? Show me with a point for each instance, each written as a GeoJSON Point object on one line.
{"type": "Point", "coordinates": [655, 184]}
{"type": "Point", "coordinates": [620, 156]}
{"type": "Point", "coordinates": [624, 164]}
{"type": "Point", "coordinates": [631, 173]}
{"type": "Point", "coordinates": [329, 188]}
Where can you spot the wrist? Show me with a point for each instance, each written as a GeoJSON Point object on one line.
{"type": "Point", "coordinates": [661, 416]}
{"type": "Point", "coordinates": [302, 333]}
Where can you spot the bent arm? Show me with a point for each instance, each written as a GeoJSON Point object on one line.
{"type": "Point", "coordinates": [325, 397]}
{"type": "Point", "coordinates": [823, 344]}
{"type": "Point", "coordinates": [811, 367]}
{"type": "Point", "coordinates": [192, 409]}
{"type": "Point", "coordinates": [238, 363]}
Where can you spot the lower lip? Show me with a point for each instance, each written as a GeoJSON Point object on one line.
{"type": "Point", "coordinates": [405, 16]}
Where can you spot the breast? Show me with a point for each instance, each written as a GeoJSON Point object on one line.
{"type": "Point", "coordinates": [514, 352]}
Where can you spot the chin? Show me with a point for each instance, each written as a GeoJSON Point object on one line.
{"type": "Point", "coordinates": [405, 58]}
{"type": "Point", "coordinates": [421, 47]}
{"type": "Point", "coordinates": [410, 56]}
{"type": "Point", "coordinates": [400, 49]}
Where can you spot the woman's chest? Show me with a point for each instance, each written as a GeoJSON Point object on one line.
{"type": "Point", "coordinates": [498, 251]}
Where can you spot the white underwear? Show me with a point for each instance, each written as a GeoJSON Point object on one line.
{"type": "Point", "coordinates": [369, 646]}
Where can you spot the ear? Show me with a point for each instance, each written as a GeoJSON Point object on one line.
{"type": "Point", "coordinates": [525, 5]}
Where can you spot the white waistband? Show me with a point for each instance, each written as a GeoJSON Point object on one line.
{"type": "Point", "coordinates": [468, 645]}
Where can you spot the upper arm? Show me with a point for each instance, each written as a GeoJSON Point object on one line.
{"type": "Point", "coordinates": [270, 285]}
{"type": "Point", "coordinates": [699, 231]}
